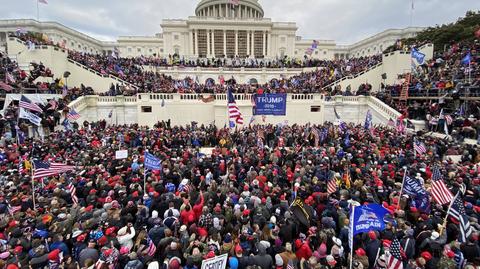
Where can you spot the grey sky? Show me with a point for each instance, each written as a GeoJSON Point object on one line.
{"type": "Point", "coordinates": [345, 21]}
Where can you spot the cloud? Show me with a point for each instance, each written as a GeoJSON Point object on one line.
{"type": "Point", "coordinates": [345, 21]}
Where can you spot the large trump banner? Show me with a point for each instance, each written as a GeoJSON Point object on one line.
{"type": "Point", "coordinates": [270, 104]}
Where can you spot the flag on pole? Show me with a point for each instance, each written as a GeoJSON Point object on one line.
{"type": "Point", "coordinates": [110, 113]}
{"type": "Point", "coordinates": [368, 120]}
{"type": "Point", "coordinates": [43, 2]}
{"type": "Point", "coordinates": [45, 169]}
{"type": "Point", "coordinates": [441, 194]}
{"type": "Point", "coordinates": [417, 56]}
{"type": "Point", "coordinates": [5, 86]}
{"type": "Point", "coordinates": [467, 59]}
{"type": "Point", "coordinates": [24, 114]}
{"type": "Point", "coordinates": [331, 184]}
{"type": "Point", "coordinates": [27, 104]}
{"type": "Point", "coordinates": [53, 104]}
{"type": "Point", "coordinates": [341, 123]}
{"type": "Point", "coordinates": [151, 162]}
{"type": "Point", "coordinates": [73, 193]}
{"type": "Point", "coordinates": [395, 255]}
{"type": "Point", "coordinates": [73, 115]}
{"type": "Point", "coordinates": [448, 119]}
{"type": "Point", "coordinates": [419, 147]}
{"type": "Point", "coordinates": [457, 211]}
{"type": "Point", "coordinates": [368, 217]}
{"type": "Point", "coordinates": [234, 113]}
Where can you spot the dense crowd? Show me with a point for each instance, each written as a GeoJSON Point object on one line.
{"type": "Point", "coordinates": [235, 200]}
{"type": "Point", "coordinates": [132, 70]}
{"type": "Point", "coordinates": [448, 80]}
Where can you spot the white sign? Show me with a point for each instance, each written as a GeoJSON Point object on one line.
{"type": "Point", "coordinates": [206, 151]}
{"type": "Point", "coordinates": [121, 154]}
{"type": "Point", "coordinates": [218, 262]}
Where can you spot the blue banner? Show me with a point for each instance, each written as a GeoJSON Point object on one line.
{"type": "Point", "coordinates": [270, 104]}
{"type": "Point", "coordinates": [151, 162]}
{"type": "Point", "coordinates": [368, 217]}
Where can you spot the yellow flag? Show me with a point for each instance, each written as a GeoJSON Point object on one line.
{"type": "Point", "coordinates": [348, 181]}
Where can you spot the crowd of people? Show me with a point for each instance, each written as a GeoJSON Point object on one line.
{"type": "Point", "coordinates": [132, 70]}
{"type": "Point", "coordinates": [236, 200]}
{"type": "Point", "coordinates": [442, 87]}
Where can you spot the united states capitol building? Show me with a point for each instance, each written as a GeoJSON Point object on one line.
{"type": "Point", "coordinates": [216, 30]}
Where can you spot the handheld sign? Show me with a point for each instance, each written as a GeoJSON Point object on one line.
{"type": "Point", "coordinates": [218, 262]}
{"type": "Point", "coordinates": [121, 154]}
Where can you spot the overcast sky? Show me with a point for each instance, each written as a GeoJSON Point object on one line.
{"type": "Point", "coordinates": [344, 21]}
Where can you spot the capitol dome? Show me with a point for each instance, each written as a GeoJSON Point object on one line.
{"type": "Point", "coordinates": [247, 9]}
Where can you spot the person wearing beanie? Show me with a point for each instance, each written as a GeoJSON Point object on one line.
{"type": "Point", "coordinates": [88, 253]}
{"type": "Point", "coordinates": [278, 261]}
{"type": "Point", "coordinates": [447, 260]}
{"type": "Point", "coordinates": [408, 243]}
{"type": "Point", "coordinates": [262, 259]}
{"type": "Point", "coordinates": [372, 247]}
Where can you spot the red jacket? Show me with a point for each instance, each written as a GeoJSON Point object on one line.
{"type": "Point", "coordinates": [197, 208]}
{"type": "Point", "coordinates": [304, 252]}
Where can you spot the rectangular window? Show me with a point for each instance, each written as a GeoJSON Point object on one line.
{"type": "Point", "coordinates": [146, 109]}
{"type": "Point", "coordinates": [315, 109]}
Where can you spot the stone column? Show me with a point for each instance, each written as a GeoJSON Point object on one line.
{"type": "Point", "coordinates": [208, 43]}
{"type": "Point", "coordinates": [213, 43]}
{"type": "Point", "coordinates": [190, 42]}
{"type": "Point", "coordinates": [264, 43]}
{"type": "Point", "coordinates": [269, 44]}
{"type": "Point", "coordinates": [248, 42]}
{"type": "Point", "coordinates": [224, 43]}
{"type": "Point", "coordinates": [253, 44]}
{"type": "Point", "coordinates": [236, 42]}
{"type": "Point", "coordinates": [196, 42]}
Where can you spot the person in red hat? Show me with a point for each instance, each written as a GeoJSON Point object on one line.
{"type": "Point", "coordinates": [372, 247]}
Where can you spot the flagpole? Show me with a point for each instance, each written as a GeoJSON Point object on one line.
{"type": "Point", "coordinates": [448, 212]}
{"type": "Point", "coordinates": [352, 219]}
{"type": "Point", "coordinates": [144, 180]}
{"type": "Point", "coordinates": [33, 183]}
{"type": "Point", "coordinates": [401, 189]}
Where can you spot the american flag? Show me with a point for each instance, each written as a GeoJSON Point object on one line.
{"type": "Point", "coordinates": [234, 2]}
{"type": "Point", "coordinates": [419, 147]}
{"type": "Point", "coordinates": [43, 2]}
{"type": "Point", "coordinates": [151, 247]}
{"type": "Point", "coordinates": [391, 122]}
{"type": "Point", "coordinates": [73, 193]}
{"type": "Point", "coordinates": [400, 126]}
{"type": "Point", "coordinates": [290, 265]}
{"type": "Point", "coordinates": [395, 255]}
{"type": "Point", "coordinates": [27, 104]}
{"type": "Point", "coordinates": [45, 169]}
{"type": "Point", "coordinates": [13, 209]}
{"type": "Point", "coordinates": [368, 120]}
{"type": "Point", "coordinates": [331, 184]}
{"type": "Point", "coordinates": [457, 211]}
{"type": "Point", "coordinates": [234, 113]}
{"type": "Point", "coordinates": [5, 86]}
{"type": "Point", "coordinates": [441, 194]}
{"type": "Point", "coordinates": [73, 115]}
{"type": "Point", "coordinates": [448, 119]}
{"type": "Point", "coordinates": [53, 104]}
{"type": "Point", "coordinates": [9, 78]}
{"type": "Point", "coordinates": [341, 123]}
